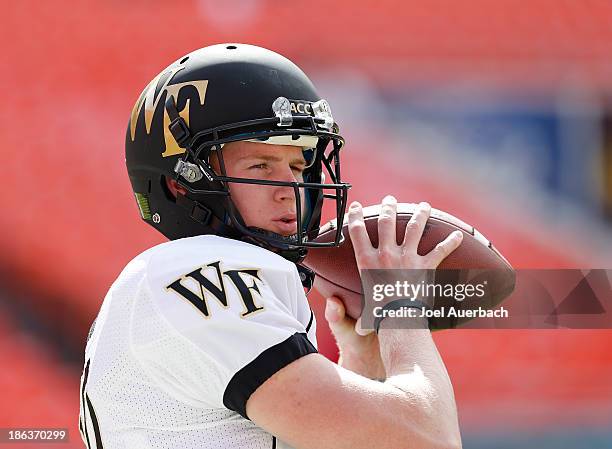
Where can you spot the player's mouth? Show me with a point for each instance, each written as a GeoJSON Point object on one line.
{"type": "Point", "coordinates": [286, 224]}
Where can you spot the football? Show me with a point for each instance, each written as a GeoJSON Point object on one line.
{"type": "Point", "coordinates": [337, 273]}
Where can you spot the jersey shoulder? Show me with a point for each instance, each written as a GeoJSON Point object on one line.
{"type": "Point", "coordinates": [231, 311]}
{"type": "Point", "coordinates": [162, 264]}
{"type": "Point", "coordinates": [209, 269]}
{"type": "Point", "coordinates": [175, 256]}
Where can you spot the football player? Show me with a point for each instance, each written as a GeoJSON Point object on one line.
{"type": "Point", "coordinates": [208, 341]}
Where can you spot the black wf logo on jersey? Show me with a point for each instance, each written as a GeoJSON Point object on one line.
{"type": "Point", "coordinates": [217, 289]}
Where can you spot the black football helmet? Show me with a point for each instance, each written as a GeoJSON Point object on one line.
{"type": "Point", "coordinates": [220, 94]}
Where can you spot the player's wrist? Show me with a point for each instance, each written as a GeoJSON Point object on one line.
{"type": "Point", "coordinates": [403, 313]}
{"type": "Point", "coordinates": [401, 326]}
{"type": "Point", "coordinates": [401, 348]}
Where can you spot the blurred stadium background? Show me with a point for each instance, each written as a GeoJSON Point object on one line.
{"type": "Point", "coordinates": [497, 112]}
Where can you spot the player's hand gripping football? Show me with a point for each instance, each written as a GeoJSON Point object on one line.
{"type": "Point", "coordinates": [359, 350]}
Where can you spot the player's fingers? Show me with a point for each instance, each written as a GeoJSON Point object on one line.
{"type": "Point", "coordinates": [444, 248]}
{"type": "Point", "coordinates": [415, 227]}
{"type": "Point", "coordinates": [339, 322]}
{"type": "Point", "coordinates": [387, 233]}
{"type": "Point", "coordinates": [357, 229]}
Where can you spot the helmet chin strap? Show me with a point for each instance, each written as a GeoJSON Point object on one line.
{"type": "Point", "coordinates": [286, 238]}
{"type": "Point", "coordinates": [296, 255]}
{"type": "Point", "coordinates": [293, 254]}
{"type": "Point", "coordinates": [225, 228]}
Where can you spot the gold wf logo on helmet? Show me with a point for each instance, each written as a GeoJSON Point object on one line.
{"type": "Point", "coordinates": [150, 102]}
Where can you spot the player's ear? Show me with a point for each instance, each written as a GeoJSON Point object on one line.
{"type": "Point", "coordinates": [174, 187]}
{"type": "Point", "coordinates": [213, 161]}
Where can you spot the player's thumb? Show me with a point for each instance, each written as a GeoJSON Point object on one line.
{"type": "Point", "coordinates": [335, 314]}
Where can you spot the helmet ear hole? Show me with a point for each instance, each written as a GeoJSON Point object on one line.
{"type": "Point", "coordinates": [166, 186]}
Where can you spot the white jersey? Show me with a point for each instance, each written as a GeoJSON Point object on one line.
{"type": "Point", "coordinates": [189, 330]}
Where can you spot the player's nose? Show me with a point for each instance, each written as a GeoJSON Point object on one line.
{"type": "Point", "coordinates": [286, 192]}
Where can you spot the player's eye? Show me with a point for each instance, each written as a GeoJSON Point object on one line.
{"type": "Point", "coordinates": [262, 166]}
